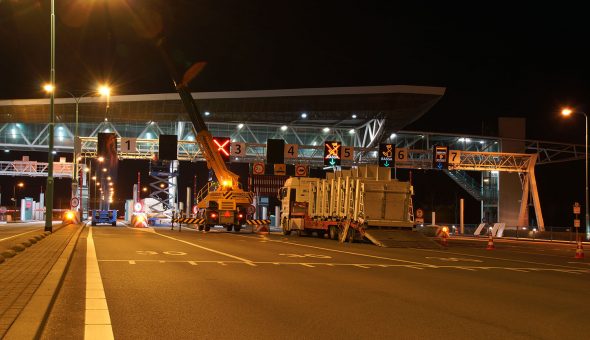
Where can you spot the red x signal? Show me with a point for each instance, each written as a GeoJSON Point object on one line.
{"type": "Point", "coordinates": [221, 147]}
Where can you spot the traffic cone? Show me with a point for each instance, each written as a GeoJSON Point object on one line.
{"type": "Point", "coordinates": [262, 229]}
{"type": "Point", "coordinates": [490, 243]}
{"type": "Point", "coordinates": [580, 250]}
{"type": "Point", "coordinates": [444, 240]}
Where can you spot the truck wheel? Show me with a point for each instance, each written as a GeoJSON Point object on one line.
{"type": "Point", "coordinates": [201, 227]}
{"type": "Point", "coordinates": [321, 233]}
{"type": "Point", "coordinates": [237, 228]}
{"type": "Point", "coordinates": [333, 232]}
{"type": "Point", "coordinates": [207, 227]}
{"type": "Point", "coordinates": [229, 227]}
{"type": "Point", "coordinates": [285, 227]}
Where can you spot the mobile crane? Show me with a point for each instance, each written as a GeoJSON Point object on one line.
{"type": "Point", "coordinates": [224, 204]}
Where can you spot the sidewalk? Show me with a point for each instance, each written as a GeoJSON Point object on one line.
{"type": "Point", "coordinates": [21, 275]}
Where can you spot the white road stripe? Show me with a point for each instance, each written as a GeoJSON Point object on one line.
{"type": "Point", "coordinates": [13, 236]}
{"type": "Point", "coordinates": [307, 265]}
{"type": "Point", "coordinates": [97, 321]}
{"type": "Point", "coordinates": [248, 262]}
{"type": "Point", "coordinates": [351, 253]}
{"type": "Point", "coordinates": [131, 262]}
{"type": "Point", "coordinates": [193, 263]}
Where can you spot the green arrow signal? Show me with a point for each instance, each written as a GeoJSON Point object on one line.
{"type": "Point", "coordinates": [332, 162]}
{"type": "Point", "coordinates": [386, 163]}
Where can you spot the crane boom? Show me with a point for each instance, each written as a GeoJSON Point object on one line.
{"type": "Point", "coordinates": [226, 178]}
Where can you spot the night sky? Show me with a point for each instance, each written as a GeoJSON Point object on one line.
{"type": "Point", "coordinates": [495, 58]}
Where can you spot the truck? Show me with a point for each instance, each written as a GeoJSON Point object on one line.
{"type": "Point", "coordinates": [104, 217]}
{"type": "Point", "coordinates": [354, 205]}
{"type": "Point", "coordinates": [225, 202]}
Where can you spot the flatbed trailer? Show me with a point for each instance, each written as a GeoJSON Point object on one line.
{"type": "Point", "coordinates": [364, 203]}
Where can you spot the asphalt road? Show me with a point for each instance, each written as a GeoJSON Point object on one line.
{"type": "Point", "coordinates": [11, 231]}
{"type": "Point", "coordinates": [187, 285]}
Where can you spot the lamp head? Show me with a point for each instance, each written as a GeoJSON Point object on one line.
{"type": "Point", "coordinates": [566, 112]}
{"type": "Point", "coordinates": [104, 90]}
{"type": "Point", "coordinates": [49, 88]}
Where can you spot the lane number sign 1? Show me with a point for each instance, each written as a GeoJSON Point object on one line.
{"type": "Point", "coordinates": [128, 144]}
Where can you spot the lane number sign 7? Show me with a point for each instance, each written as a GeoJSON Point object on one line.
{"type": "Point", "coordinates": [454, 157]}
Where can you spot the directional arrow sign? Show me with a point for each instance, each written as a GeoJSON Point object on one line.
{"type": "Point", "coordinates": [332, 162]}
{"type": "Point", "coordinates": [386, 163]}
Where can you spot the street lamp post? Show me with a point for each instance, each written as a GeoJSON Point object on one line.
{"type": "Point", "coordinates": [49, 191]}
{"type": "Point", "coordinates": [566, 112]}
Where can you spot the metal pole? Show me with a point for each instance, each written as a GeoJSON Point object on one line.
{"type": "Point", "coordinates": [587, 215]}
{"type": "Point", "coordinates": [49, 191]}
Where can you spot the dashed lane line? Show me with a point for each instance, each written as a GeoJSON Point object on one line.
{"type": "Point", "coordinates": [496, 258]}
{"type": "Point", "coordinates": [364, 266]}
{"type": "Point", "coordinates": [246, 261]}
{"type": "Point", "coordinates": [97, 320]}
{"type": "Point", "coordinates": [348, 252]}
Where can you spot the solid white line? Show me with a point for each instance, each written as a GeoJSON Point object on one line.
{"type": "Point", "coordinates": [248, 262]}
{"type": "Point", "coordinates": [13, 236]}
{"type": "Point", "coordinates": [97, 321]}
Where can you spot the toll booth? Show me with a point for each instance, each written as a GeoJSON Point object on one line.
{"type": "Point", "coordinates": [26, 209]}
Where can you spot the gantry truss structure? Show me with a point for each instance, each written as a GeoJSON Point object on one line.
{"type": "Point", "coordinates": [472, 153]}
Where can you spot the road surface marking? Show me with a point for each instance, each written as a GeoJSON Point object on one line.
{"type": "Point", "coordinates": [361, 266]}
{"type": "Point", "coordinates": [248, 262]}
{"type": "Point", "coordinates": [97, 320]}
{"type": "Point", "coordinates": [496, 258]}
{"type": "Point", "coordinates": [352, 253]}
{"type": "Point", "coordinates": [586, 263]}
{"type": "Point", "coordinates": [13, 236]}
{"type": "Point", "coordinates": [517, 270]}
{"type": "Point", "coordinates": [307, 265]}
{"type": "Point", "coordinates": [193, 263]}
{"type": "Point", "coordinates": [222, 263]}
{"type": "Point", "coordinates": [131, 262]}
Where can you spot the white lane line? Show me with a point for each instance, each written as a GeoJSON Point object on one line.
{"type": "Point", "coordinates": [248, 262]}
{"type": "Point", "coordinates": [352, 253]}
{"type": "Point", "coordinates": [496, 258]}
{"type": "Point", "coordinates": [193, 263]}
{"type": "Point", "coordinates": [131, 262]}
{"type": "Point", "coordinates": [97, 320]}
{"type": "Point", "coordinates": [361, 266]}
{"type": "Point", "coordinates": [17, 235]}
{"type": "Point", "coordinates": [307, 265]}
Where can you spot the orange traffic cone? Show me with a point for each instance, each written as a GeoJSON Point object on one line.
{"type": "Point", "coordinates": [579, 250]}
{"type": "Point", "coordinates": [490, 243]}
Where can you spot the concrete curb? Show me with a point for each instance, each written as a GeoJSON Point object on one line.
{"type": "Point", "coordinates": [31, 321]}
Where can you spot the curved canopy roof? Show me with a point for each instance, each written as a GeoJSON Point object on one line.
{"type": "Point", "coordinates": [400, 105]}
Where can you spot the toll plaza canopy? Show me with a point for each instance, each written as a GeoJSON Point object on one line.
{"type": "Point", "coordinates": [397, 105]}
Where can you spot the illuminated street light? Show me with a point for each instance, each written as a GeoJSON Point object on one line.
{"type": "Point", "coordinates": [104, 90]}
{"type": "Point", "coordinates": [161, 185]}
{"type": "Point", "coordinates": [144, 189]}
{"type": "Point", "coordinates": [101, 159]}
{"type": "Point", "coordinates": [51, 89]}
{"type": "Point", "coordinates": [567, 112]}
{"type": "Point", "coordinates": [284, 128]}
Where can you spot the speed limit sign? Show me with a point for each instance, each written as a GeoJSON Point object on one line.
{"type": "Point", "coordinates": [74, 202]}
{"type": "Point", "coordinates": [258, 168]}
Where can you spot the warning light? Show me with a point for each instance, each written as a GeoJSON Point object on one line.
{"type": "Point", "coordinates": [213, 215]}
{"type": "Point", "coordinates": [386, 152]}
{"type": "Point", "coordinates": [222, 144]}
{"type": "Point", "coordinates": [332, 153]}
{"type": "Point", "coordinates": [226, 183]}
{"type": "Point", "coordinates": [227, 214]}
{"type": "Point", "coordinates": [240, 215]}
{"type": "Point", "coordinates": [69, 215]}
